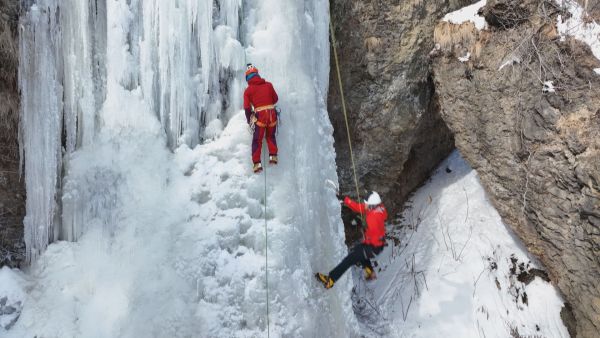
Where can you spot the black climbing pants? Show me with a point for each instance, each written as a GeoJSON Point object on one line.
{"type": "Point", "coordinates": [360, 254]}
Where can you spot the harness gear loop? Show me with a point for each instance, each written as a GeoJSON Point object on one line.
{"type": "Point", "coordinates": [339, 76]}
{"type": "Point", "coordinates": [261, 108]}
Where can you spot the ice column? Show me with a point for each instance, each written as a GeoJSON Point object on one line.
{"type": "Point", "coordinates": [40, 80]}
{"type": "Point", "coordinates": [183, 76]}
{"type": "Point", "coordinates": [79, 86]}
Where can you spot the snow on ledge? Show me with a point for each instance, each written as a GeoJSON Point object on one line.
{"type": "Point", "coordinates": [548, 87]}
{"type": "Point", "coordinates": [576, 27]}
{"type": "Point", "coordinates": [465, 58]}
{"type": "Point", "coordinates": [468, 13]}
{"type": "Point", "coordinates": [511, 61]}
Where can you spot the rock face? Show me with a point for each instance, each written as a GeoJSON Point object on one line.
{"type": "Point", "coordinates": [397, 133]}
{"type": "Point", "coordinates": [12, 192]}
{"type": "Point", "coordinates": [534, 143]}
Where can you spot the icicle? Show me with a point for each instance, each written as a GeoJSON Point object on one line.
{"type": "Point", "coordinates": [98, 30]}
{"type": "Point", "coordinates": [79, 98]}
{"type": "Point", "coordinates": [182, 79]}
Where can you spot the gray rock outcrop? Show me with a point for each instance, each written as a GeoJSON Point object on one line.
{"type": "Point", "coordinates": [12, 192]}
{"type": "Point", "coordinates": [397, 133]}
{"type": "Point", "coordinates": [525, 112]}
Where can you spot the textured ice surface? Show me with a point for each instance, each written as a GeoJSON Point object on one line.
{"type": "Point", "coordinates": [169, 220]}
{"type": "Point", "coordinates": [40, 82]}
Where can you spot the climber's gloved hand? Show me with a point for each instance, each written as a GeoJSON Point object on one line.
{"type": "Point", "coordinates": [346, 200]}
{"type": "Point", "coordinates": [249, 114]}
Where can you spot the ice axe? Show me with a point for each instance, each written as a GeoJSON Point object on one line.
{"type": "Point", "coordinates": [331, 184]}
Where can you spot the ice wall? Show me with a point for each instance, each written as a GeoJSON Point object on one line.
{"type": "Point", "coordinates": [170, 222]}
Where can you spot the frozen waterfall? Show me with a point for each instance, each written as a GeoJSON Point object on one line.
{"type": "Point", "coordinates": [137, 152]}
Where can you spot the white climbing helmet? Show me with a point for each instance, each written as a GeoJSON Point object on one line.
{"type": "Point", "coordinates": [374, 199]}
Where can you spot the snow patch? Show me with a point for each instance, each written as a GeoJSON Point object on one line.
{"type": "Point", "coordinates": [597, 70]}
{"type": "Point", "coordinates": [468, 13]}
{"type": "Point", "coordinates": [548, 87]}
{"type": "Point", "coordinates": [12, 297]}
{"type": "Point", "coordinates": [513, 59]}
{"type": "Point", "coordinates": [465, 58]}
{"type": "Point", "coordinates": [577, 27]}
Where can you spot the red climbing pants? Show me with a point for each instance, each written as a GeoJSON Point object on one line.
{"type": "Point", "coordinates": [266, 124]}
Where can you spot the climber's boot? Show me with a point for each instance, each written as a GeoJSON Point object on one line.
{"type": "Point", "coordinates": [273, 159]}
{"type": "Point", "coordinates": [326, 280]}
{"type": "Point", "coordinates": [257, 167]}
{"type": "Point", "coordinates": [369, 273]}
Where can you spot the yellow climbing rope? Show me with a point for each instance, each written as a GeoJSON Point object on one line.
{"type": "Point", "coordinates": [339, 76]}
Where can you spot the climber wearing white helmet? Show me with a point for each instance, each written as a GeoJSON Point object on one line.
{"type": "Point", "coordinates": [375, 215]}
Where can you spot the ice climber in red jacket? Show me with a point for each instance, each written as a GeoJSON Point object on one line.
{"type": "Point", "coordinates": [375, 215]}
{"type": "Point", "coordinates": [259, 103]}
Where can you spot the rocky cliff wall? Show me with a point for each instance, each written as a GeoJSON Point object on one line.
{"type": "Point", "coordinates": [525, 112]}
{"type": "Point", "coordinates": [397, 132]}
{"type": "Point", "coordinates": [12, 192]}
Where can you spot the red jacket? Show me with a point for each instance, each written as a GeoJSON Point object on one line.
{"type": "Point", "coordinates": [259, 93]}
{"type": "Point", "coordinates": [375, 218]}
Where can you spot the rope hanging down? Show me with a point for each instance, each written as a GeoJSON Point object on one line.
{"type": "Point", "coordinates": [339, 76]}
{"type": "Point", "coordinates": [266, 252]}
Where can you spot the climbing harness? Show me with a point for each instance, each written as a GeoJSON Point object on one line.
{"type": "Point", "coordinates": [339, 77]}
{"type": "Point", "coordinates": [267, 107]}
{"type": "Point", "coordinates": [254, 119]}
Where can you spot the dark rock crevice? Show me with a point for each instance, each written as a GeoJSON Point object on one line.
{"type": "Point", "coordinates": [12, 190]}
{"type": "Point", "coordinates": [397, 132]}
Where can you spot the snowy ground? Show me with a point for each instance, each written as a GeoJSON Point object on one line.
{"type": "Point", "coordinates": [453, 269]}
{"type": "Point", "coordinates": [12, 294]}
